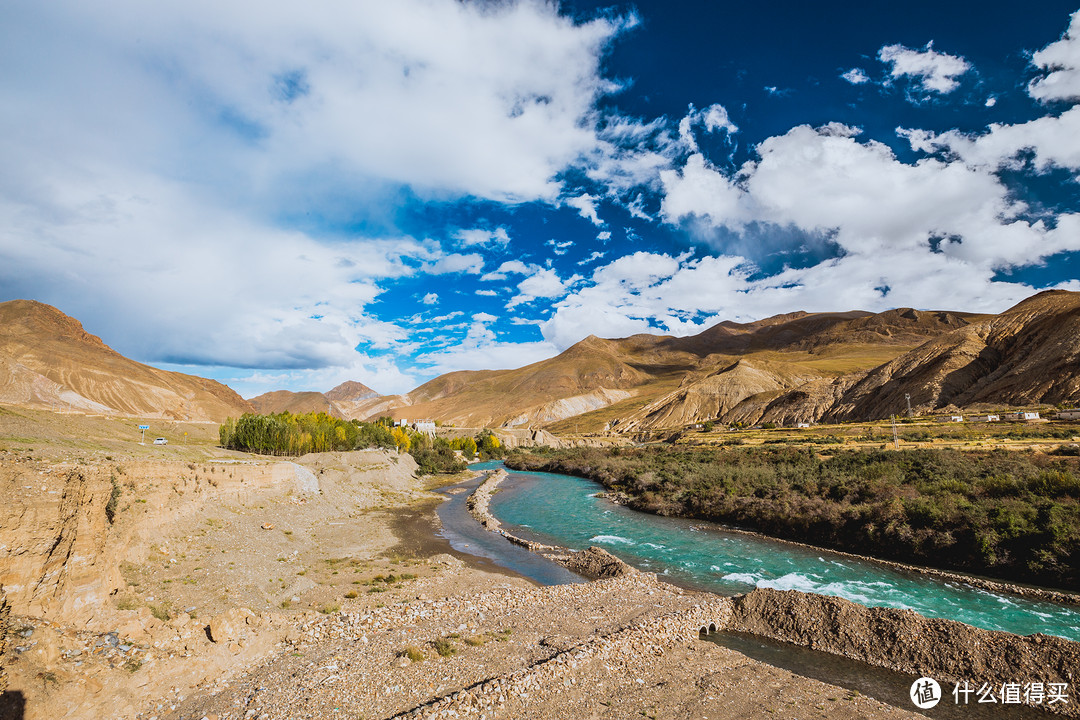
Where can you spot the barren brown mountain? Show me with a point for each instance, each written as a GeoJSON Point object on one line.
{"type": "Point", "coordinates": [349, 400]}
{"type": "Point", "coordinates": [797, 367]}
{"type": "Point", "coordinates": [1027, 355]}
{"type": "Point", "coordinates": [294, 402]}
{"type": "Point", "coordinates": [48, 360]}
{"type": "Point", "coordinates": [650, 381]}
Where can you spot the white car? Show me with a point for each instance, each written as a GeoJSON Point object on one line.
{"type": "Point", "coordinates": [161, 441]}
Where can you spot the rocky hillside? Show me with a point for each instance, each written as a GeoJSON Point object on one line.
{"type": "Point", "coordinates": [653, 381]}
{"type": "Point", "coordinates": [348, 400]}
{"type": "Point", "coordinates": [294, 402]}
{"type": "Point", "coordinates": [1027, 355]}
{"type": "Point", "coordinates": [48, 360]}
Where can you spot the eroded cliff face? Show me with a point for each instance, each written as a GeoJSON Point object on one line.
{"type": "Point", "coordinates": [57, 543]}
{"type": "Point", "coordinates": [5, 613]}
{"type": "Point", "coordinates": [60, 551]}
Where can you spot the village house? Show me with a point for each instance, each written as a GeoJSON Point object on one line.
{"type": "Point", "coordinates": [1022, 415]}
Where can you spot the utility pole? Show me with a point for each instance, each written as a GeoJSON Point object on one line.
{"type": "Point", "coordinates": [895, 436]}
{"type": "Point", "coordinates": [907, 396]}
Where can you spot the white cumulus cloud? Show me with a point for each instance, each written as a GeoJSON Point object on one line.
{"type": "Point", "coordinates": [470, 263]}
{"type": "Point", "coordinates": [935, 72]}
{"type": "Point", "coordinates": [1062, 60]}
{"type": "Point", "coordinates": [483, 238]}
{"type": "Point", "coordinates": [856, 76]}
{"type": "Point", "coordinates": [585, 204]}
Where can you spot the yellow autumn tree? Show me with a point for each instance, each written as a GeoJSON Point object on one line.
{"type": "Point", "coordinates": [401, 439]}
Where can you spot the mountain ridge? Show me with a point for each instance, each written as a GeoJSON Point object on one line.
{"type": "Point", "coordinates": [788, 368]}
{"type": "Point", "coordinates": [47, 359]}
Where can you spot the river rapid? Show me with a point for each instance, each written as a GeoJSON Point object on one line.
{"type": "Point", "coordinates": [564, 510]}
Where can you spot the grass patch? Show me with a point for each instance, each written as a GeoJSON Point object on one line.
{"type": "Point", "coordinates": [330, 608]}
{"type": "Point", "coordinates": [444, 647]}
{"type": "Point", "coordinates": [414, 654]}
{"type": "Point", "coordinates": [128, 602]}
{"type": "Point", "coordinates": [351, 594]}
{"type": "Point", "coordinates": [475, 640]}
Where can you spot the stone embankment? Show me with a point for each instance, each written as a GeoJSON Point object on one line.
{"type": "Point", "coordinates": [907, 642]}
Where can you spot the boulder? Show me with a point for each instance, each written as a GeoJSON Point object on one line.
{"type": "Point", "coordinates": [597, 563]}
{"type": "Point", "coordinates": [232, 625]}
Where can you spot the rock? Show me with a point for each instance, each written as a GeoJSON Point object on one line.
{"type": "Point", "coordinates": [47, 650]}
{"type": "Point", "coordinates": [596, 562]}
{"type": "Point", "coordinates": [134, 630]}
{"type": "Point", "coordinates": [268, 526]}
{"type": "Point", "coordinates": [180, 621]}
{"type": "Point", "coordinates": [232, 625]}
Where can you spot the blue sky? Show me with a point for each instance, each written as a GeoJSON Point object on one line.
{"type": "Point", "coordinates": [286, 198]}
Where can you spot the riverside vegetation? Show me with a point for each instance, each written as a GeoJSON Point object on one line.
{"type": "Point", "coordinates": [287, 433]}
{"type": "Point", "coordinates": [1005, 514]}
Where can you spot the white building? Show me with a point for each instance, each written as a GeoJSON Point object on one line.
{"type": "Point", "coordinates": [986, 418]}
{"type": "Point", "coordinates": [1068, 415]}
{"type": "Point", "coordinates": [1023, 415]}
{"type": "Point", "coordinates": [424, 426]}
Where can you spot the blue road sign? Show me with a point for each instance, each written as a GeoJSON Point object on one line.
{"type": "Point", "coordinates": [144, 427]}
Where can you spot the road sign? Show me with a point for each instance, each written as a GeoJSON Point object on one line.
{"type": "Point", "coordinates": [144, 427]}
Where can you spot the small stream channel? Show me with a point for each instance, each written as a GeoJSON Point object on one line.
{"type": "Point", "coordinates": [468, 536]}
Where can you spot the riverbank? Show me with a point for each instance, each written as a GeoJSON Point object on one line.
{"type": "Point", "coordinates": [131, 580]}
{"type": "Point", "coordinates": [969, 515]}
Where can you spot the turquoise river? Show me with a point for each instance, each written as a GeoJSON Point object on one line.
{"type": "Point", "coordinates": [564, 510]}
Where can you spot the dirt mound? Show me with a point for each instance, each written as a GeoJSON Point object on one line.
{"type": "Point", "coordinates": [594, 562]}
{"type": "Point", "coordinates": [905, 641]}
